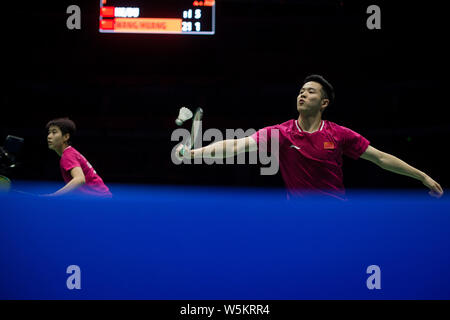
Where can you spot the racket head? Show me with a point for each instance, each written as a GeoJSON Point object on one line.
{"type": "Point", "coordinates": [5, 187]}
{"type": "Point", "coordinates": [5, 184]}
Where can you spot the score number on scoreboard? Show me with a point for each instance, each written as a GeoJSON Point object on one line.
{"type": "Point", "coordinates": [158, 16]}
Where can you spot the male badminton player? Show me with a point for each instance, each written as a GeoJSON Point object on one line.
{"type": "Point", "coordinates": [78, 174]}
{"type": "Point", "coordinates": [311, 149]}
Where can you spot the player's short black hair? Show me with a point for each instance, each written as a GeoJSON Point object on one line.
{"type": "Point", "coordinates": [65, 125]}
{"type": "Point", "coordinates": [328, 89]}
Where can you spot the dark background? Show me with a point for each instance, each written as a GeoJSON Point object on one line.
{"type": "Point", "coordinates": [124, 90]}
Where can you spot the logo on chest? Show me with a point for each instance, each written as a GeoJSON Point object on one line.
{"type": "Point", "coordinates": [328, 145]}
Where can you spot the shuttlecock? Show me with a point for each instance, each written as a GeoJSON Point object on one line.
{"type": "Point", "coordinates": [185, 114]}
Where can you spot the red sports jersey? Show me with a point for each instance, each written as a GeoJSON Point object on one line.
{"type": "Point", "coordinates": [94, 185]}
{"type": "Point", "coordinates": [312, 162]}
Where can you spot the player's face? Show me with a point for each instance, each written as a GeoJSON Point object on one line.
{"type": "Point", "coordinates": [310, 97]}
{"type": "Point", "coordinates": [55, 138]}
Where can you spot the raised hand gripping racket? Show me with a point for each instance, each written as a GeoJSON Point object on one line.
{"type": "Point", "coordinates": [195, 130]}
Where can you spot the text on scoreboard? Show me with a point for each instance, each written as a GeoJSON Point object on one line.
{"type": "Point", "coordinates": [157, 16]}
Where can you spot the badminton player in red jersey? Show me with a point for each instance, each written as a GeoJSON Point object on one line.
{"type": "Point", "coordinates": [311, 149]}
{"type": "Point", "coordinates": [78, 174]}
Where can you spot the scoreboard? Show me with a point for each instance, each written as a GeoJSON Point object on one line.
{"type": "Point", "coordinates": [157, 16]}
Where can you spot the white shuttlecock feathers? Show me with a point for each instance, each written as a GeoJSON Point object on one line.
{"type": "Point", "coordinates": [184, 114]}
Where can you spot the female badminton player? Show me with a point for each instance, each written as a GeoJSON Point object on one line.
{"type": "Point", "coordinates": [78, 174]}
{"type": "Point", "coordinates": [311, 149]}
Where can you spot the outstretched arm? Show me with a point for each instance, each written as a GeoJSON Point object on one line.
{"type": "Point", "coordinates": [78, 180]}
{"type": "Point", "coordinates": [221, 149]}
{"type": "Point", "coordinates": [394, 164]}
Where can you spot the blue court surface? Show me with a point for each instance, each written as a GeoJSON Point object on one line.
{"type": "Point", "coordinates": [164, 243]}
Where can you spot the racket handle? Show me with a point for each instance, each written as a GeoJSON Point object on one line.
{"type": "Point", "coordinates": [185, 151]}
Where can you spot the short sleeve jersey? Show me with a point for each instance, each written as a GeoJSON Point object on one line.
{"type": "Point", "coordinates": [94, 184]}
{"type": "Point", "coordinates": [312, 162]}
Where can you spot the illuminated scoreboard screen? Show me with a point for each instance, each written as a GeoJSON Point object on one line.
{"type": "Point", "coordinates": [157, 16]}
